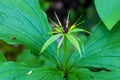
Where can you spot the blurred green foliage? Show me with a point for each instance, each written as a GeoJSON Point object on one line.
{"type": "Point", "coordinates": [45, 4]}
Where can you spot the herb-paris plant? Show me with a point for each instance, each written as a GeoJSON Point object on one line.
{"type": "Point", "coordinates": [23, 22]}
{"type": "Point", "coordinates": [66, 33]}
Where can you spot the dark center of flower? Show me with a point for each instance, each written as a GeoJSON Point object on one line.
{"type": "Point", "coordinates": [65, 29]}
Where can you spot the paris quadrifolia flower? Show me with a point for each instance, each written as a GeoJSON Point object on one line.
{"type": "Point", "coordinates": [66, 32]}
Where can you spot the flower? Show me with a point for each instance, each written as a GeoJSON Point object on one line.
{"type": "Point", "coordinates": [65, 32]}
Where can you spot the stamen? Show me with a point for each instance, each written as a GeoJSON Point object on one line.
{"type": "Point", "coordinates": [54, 22]}
{"type": "Point", "coordinates": [67, 21]}
{"type": "Point", "coordinates": [80, 23]}
{"type": "Point", "coordinates": [58, 19]}
{"type": "Point", "coordinates": [74, 25]}
{"type": "Point", "coordinates": [78, 19]}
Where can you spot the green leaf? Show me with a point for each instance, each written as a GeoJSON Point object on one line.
{"type": "Point", "coordinates": [61, 40]}
{"type": "Point", "coordinates": [85, 74]}
{"type": "Point", "coordinates": [109, 11]}
{"type": "Point", "coordinates": [79, 30]}
{"type": "Point", "coordinates": [103, 47]}
{"type": "Point", "coordinates": [49, 41]}
{"type": "Point", "coordinates": [101, 60]}
{"type": "Point", "coordinates": [17, 71]}
{"type": "Point", "coordinates": [30, 59]}
{"type": "Point", "coordinates": [72, 39]}
{"type": "Point", "coordinates": [2, 57]}
{"type": "Point", "coordinates": [23, 22]}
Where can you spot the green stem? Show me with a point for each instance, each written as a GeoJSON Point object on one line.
{"type": "Point", "coordinates": [65, 55]}
{"type": "Point", "coordinates": [58, 56]}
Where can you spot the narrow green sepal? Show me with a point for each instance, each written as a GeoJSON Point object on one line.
{"type": "Point", "coordinates": [49, 41]}
{"type": "Point", "coordinates": [73, 40]}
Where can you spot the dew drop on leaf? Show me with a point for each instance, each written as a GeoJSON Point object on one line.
{"type": "Point", "coordinates": [30, 72]}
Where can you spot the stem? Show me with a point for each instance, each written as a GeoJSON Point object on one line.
{"type": "Point", "coordinates": [58, 53]}
{"type": "Point", "coordinates": [65, 55]}
{"type": "Point", "coordinates": [58, 56]}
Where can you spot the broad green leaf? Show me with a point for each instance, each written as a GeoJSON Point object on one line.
{"type": "Point", "coordinates": [72, 39]}
{"type": "Point", "coordinates": [30, 59]}
{"type": "Point", "coordinates": [49, 41]}
{"type": "Point", "coordinates": [85, 74]}
{"type": "Point", "coordinates": [23, 22]}
{"type": "Point", "coordinates": [101, 59]}
{"type": "Point", "coordinates": [17, 71]}
{"type": "Point", "coordinates": [103, 47]}
{"type": "Point", "coordinates": [109, 11]}
{"type": "Point", "coordinates": [2, 57]}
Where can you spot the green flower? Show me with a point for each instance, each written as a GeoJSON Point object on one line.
{"type": "Point", "coordinates": [65, 32]}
